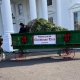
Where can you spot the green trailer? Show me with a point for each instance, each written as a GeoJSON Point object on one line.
{"type": "Point", "coordinates": [65, 41]}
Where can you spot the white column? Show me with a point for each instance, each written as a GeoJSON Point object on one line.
{"type": "Point", "coordinates": [8, 25]}
{"type": "Point", "coordinates": [39, 9]}
{"type": "Point", "coordinates": [44, 9]}
{"type": "Point", "coordinates": [33, 13]}
{"type": "Point", "coordinates": [58, 3]}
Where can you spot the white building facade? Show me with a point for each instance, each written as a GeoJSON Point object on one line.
{"type": "Point", "coordinates": [64, 13]}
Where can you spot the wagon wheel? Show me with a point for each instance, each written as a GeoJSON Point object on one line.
{"type": "Point", "coordinates": [68, 53]}
{"type": "Point", "coordinates": [20, 56]}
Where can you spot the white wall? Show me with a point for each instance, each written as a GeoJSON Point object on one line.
{"type": "Point", "coordinates": [25, 16]}
{"type": "Point", "coordinates": [74, 7]}
{"type": "Point", "coordinates": [52, 11]}
{"type": "Point", "coordinates": [65, 14]}
{"type": "Point", "coordinates": [67, 17]}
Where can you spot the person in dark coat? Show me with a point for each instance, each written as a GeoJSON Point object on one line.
{"type": "Point", "coordinates": [22, 28]}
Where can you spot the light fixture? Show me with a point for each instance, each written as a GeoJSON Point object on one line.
{"type": "Point", "coordinates": [14, 22]}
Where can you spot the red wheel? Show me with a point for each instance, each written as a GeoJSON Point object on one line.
{"type": "Point", "coordinates": [68, 53]}
{"type": "Point", "coordinates": [20, 56]}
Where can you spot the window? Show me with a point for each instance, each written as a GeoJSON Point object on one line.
{"type": "Point", "coordinates": [20, 9]}
{"type": "Point", "coordinates": [77, 20]}
{"type": "Point", "coordinates": [50, 19]}
{"type": "Point", "coordinates": [49, 2]}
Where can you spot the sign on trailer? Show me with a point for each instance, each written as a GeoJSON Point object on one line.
{"type": "Point", "coordinates": [44, 39]}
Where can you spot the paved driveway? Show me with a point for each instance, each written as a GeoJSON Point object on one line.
{"type": "Point", "coordinates": [41, 67]}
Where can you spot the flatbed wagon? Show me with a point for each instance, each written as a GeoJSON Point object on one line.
{"type": "Point", "coordinates": [65, 41]}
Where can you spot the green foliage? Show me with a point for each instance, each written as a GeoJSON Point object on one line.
{"type": "Point", "coordinates": [42, 25]}
{"type": "Point", "coordinates": [58, 28]}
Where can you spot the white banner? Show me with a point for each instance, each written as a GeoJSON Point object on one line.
{"type": "Point", "coordinates": [44, 39]}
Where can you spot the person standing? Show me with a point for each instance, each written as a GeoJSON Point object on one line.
{"type": "Point", "coordinates": [22, 28]}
